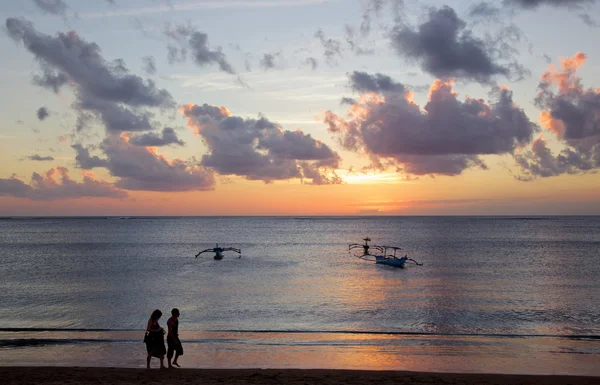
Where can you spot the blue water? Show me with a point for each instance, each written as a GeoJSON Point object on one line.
{"type": "Point", "coordinates": [495, 294]}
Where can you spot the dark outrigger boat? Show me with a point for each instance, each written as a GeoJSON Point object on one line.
{"type": "Point", "coordinates": [219, 251]}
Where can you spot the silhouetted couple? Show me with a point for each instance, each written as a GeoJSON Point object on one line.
{"type": "Point", "coordinates": [155, 341]}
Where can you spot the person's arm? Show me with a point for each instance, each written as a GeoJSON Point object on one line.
{"type": "Point", "coordinates": [170, 326]}
{"type": "Point", "coordinates": [149, 326]}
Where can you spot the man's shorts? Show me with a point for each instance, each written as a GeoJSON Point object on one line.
{"type": "Point", "coordinates": [173, 347]}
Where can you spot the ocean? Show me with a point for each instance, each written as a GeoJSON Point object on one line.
{"type": "Point", "coordinates": [494, 294]}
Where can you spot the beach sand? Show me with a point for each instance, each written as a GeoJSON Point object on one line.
{"type": "Point", "coordinates": [120, 376]}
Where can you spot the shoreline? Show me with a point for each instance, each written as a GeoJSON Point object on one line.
{"type": "Point", "coordinates": [126, 376]}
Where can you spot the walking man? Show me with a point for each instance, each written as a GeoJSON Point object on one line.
{"type": "Point", "coordinates": [173, 342]}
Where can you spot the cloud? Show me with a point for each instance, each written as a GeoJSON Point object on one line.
{"type": "Point", "coordinates": [149, 65]}
{"type": "Point", "coordinates": [259, 149]}
{"type": "Point", "coordinates": [142, 168]}
{"type": "Point", "coordinates": [267, 62]}
{"type": "Point", "coordinates": [555, 3]}
{"type": "Point", "coordinates": [40, 158]}
{"type": "Point", "coordinates": [484, 9]}
{"type": "Point", "coordinates": [446, 48]}
{"type": "Point", "coordinates": [540, 162]}
{"type": "Point", "coordinates": [170, 6]}
{"type": "Point", "coordinates": [189, 39]}
{"type": "Point", "coordinates": [353, 42]}
{"type": "Point", "coordinates": [331, 48]}
{"type": "Point", "coordinates": [572, 113]}
{"type": "Point", "coordinates": [54, 7]}
{"type": "Point", "coordinates": [363, 82]}
{"type": "Point", "coordinates": [312, 62]}
{"type": "Point", "coordinates": [446, 137]}
{"type": "Point", "coordinates": [42, 113]}
{"type": "Point", "coordinates": [374, 8]}
{"type": "Point", "coordinates": [115, 117]}
{"type": "Point", "coordinates": [84, 160]}
{"type": "Point", "coordinates": [105, 89]}
{"type": "Point", "coordinates": [169, 136]}
{"type": "Point", "coordinates": [56, 184]}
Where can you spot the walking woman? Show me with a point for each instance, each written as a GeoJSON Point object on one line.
{"type": "Point", "coordinates": [155, 339]}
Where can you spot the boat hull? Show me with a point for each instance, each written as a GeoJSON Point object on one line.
{"type": "Point", "coordinates": [395, 262]}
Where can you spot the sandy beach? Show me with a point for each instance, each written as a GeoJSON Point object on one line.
{"type": "Point", "coordinates": [121, 376]}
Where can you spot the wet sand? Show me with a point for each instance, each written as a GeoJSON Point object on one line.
{"type": "Point", "coordinates": [120, 376]}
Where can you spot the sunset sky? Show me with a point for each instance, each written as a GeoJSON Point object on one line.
{"type": "Point", "coordinates": [299, 107]}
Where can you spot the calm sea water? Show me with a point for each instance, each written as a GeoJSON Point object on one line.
{"type": "Point", "coordinates": [495, 294]}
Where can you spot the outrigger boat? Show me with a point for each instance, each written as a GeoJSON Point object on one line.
{"type": "Point", "coordinates": [383, 255]}
{"type": "Point", "coordinates": [219, 251]}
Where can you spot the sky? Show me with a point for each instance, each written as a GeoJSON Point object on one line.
{"type": "Point", "coordinates": [299, 107]}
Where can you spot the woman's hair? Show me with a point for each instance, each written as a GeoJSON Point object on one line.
{"type": "Point", "coordinates": [156, 314]}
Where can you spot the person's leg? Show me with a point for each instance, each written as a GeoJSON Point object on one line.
{"type": "Point", "coordinates": [170, 350]}
{"type": "Point", "coordinates": [162, 362]}
{"type": "Point", "coordinates": [178, 352]}
{"type": "Point", "coordinates": [169, 356]}
{"type": "Point", "coordinates": [148, 361]}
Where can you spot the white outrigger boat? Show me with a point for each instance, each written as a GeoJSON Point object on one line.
{"type": "Point", "coordinates": [383, 255]}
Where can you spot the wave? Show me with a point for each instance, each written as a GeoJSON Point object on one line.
{"type": "Point", "coordinates": [32, 342]}
{"type": "Point", "coordinates": [415, 333]}
{"type": "Point", "coordinates": [279, 331]}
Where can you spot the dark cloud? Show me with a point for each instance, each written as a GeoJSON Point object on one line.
{"type": "Point", "coordinates": [106, 90]}
{"type": "Point", "coordinates": [56, 184]}
{"type": "Point", "coordinates": [331, 48]}
{"type": "Point", "coordinates": [190, 40]}
{"type": "Point", "coordinates": [149, 65]}
{"type": "Point", "coordinates": [363, 82]}
{"type": "Point", "coordinates": [51, 79]}
{"type": "Point", "coordinates": [540, 162]}
{"type": "Point", "coordinates": [168, 136]}
{"type": "Point", "coordinates": [140, 168]}
{"type": "Point", "coordinates": [42, 113]}
{"type": "Point", "coordinates": [267, 62]}
{"type": "Point", "coordinates": [82, 62]}
{"type": "Point", "coordinates": [84, 160]}
{"type": "Point", "coordinates": [54, 7]}
{"type": "Point", "coordinates": [446, 48]}
{"type": "Point", "coordinates": [572, 113]}
{"type": "Point", "coordinates": [588, 20]}
{"type": "Point", "coordinates": [259, 149]}
{"type": "Point", "coordinates": [40, 158]}
{"type": "Point", "coordinates": [446, 137]}
{"type": "Point", "coordinates": [115, 117]}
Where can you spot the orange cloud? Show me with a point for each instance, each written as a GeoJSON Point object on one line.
{"type": "Point", "coordinates": [554, 125]}
{"type": "Point", "coordinates": [565, 79]}
{"type": "Point", "coordinates": [438, 84]}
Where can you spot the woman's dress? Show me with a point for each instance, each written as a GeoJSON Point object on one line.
{"type": "Point", "coordinates": [155, 341]}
